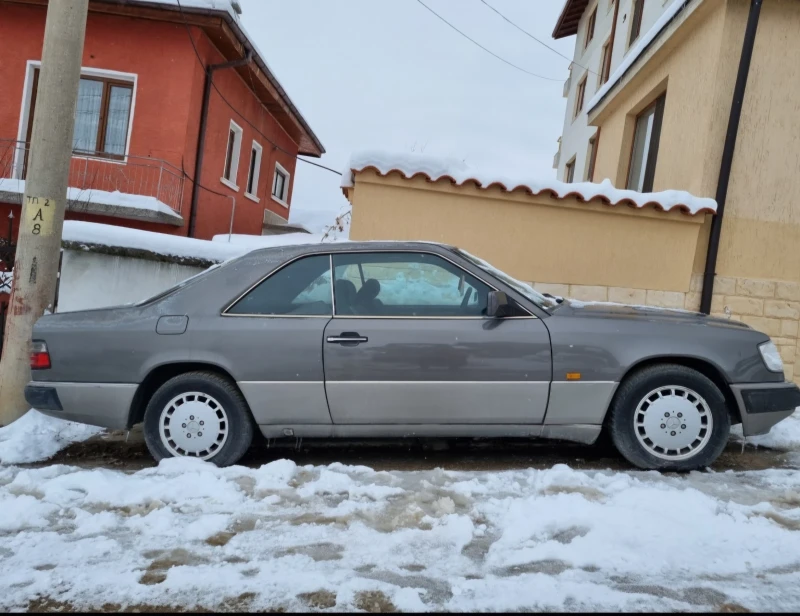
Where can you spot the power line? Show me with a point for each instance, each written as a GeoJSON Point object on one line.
{"type": "Point", "coordinates": [525, 32]}
{"type": "Point", "coordinates": [519, 68]}
{"type": "Point", "coordinates": [239, 113]}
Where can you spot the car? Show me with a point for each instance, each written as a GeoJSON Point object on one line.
{"type": "Point", "coordinates": [403, 339]}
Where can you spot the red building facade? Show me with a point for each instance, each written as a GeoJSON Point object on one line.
{"type": "Point", "coordinates": [139, 123]}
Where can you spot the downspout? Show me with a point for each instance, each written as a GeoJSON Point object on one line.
{"type": "Point", "coordinates": [727, 154]}
{"type": "Point", "coordinates": [201, 137]}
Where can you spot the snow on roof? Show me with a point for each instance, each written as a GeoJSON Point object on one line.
{"type": "Point", "coordinates": [457, 171]}
{"type": "Point", "coordinates": [82, 232]}
{"type": "Point", "coordinates": [102, 197]}
{"type": "Point", "coordinates": [641, 45]}
{"type": "Point", "coordinates": [217, 250]}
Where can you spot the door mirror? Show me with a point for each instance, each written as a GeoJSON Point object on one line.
{"type": "Point", "coordinates": [498, 305]}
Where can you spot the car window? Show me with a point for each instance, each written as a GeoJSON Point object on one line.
{"type": "Point", "coordinates": [399, 284]}
{"type": "Point", "coordinates": [302, 288]}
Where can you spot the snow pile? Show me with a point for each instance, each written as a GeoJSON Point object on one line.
{"type": "Point", "coordinates": [283, 537]}
{"type": "Point", "coordinates": [435, 168]}
{"type": "Point", "coordinates": [160, 243]}
{"type": "Point", "coordinates": [633, 54]}
{"type": "Point", "coordinates": [102, 197]}
{"type": "Point", "coordinates": [35, 437]}
{"type": "Point", "coordinates": [784, 435]}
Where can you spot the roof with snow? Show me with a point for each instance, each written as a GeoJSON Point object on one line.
{"type": "Point", "coordinates": [642, 45]}
{"type": "Point", "coordinates": [434, 169]}
{"type": "Point", "coordinates": [220, 20]}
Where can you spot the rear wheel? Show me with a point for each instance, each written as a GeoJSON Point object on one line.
{"type": "Point", "coordinates": [198, 415]}
{"type": "Point", "coordinates": [669, 417]}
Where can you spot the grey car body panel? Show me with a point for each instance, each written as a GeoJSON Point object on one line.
{"type": "Point", "coordinates": [288, 402]}
{"type": "Point", "coordinates": [603, 342]}
{"type": "Point", "coordinates": [98, 404]}
{"type": "Point", "coordinates": [579, 402]}
{"type": "Point", "coordinates": [754, 424]}
{"type": "Point", "coordinates": [282, 363]}
{"type": "Point", "coordinates": [438, 371]}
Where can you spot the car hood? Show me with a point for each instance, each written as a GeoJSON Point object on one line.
{"type": "Point", "coordinates": [610, 310]}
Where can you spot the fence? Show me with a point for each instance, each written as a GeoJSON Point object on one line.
{"type": "Point", "coordinates": [133, 175]}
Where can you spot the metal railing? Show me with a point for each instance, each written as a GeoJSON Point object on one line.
{"type": "Point", "coordinates": [88, 171]}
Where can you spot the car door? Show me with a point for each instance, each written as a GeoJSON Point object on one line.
{"type": "Point", "coordinates": [410, 344]}
{"type": "Point", "coordinates": [273, 333]}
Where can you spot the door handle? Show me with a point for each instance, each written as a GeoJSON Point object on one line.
{"type": "Point", "coordinates": [347, 338]}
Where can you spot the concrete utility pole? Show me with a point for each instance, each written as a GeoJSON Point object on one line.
{"type": "Point", "coordinates": [39, 242]}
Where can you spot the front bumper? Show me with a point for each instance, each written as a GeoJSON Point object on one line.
{"type": "Point", "coordinates": [106, 405]}
{"type": "Point", "coordinates": [762, 405]}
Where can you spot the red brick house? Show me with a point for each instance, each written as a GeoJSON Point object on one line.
{"type": "Point", "coordinates": [149, 121]}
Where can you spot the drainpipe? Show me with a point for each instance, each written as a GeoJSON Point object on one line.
{"type": "Point", "coordinates": [727, 154]}
{"type": "Point", "coordinates": [201, 137]}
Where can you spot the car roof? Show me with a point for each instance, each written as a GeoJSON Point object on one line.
{"type": "Point", "coordinates": [333, 247]}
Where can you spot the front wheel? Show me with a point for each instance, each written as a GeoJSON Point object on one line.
{"type": "Point", "coordinates": [198, 415]}
{"type": "Point", "coordinates": [669, 418]}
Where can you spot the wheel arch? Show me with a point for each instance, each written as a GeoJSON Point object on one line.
{"type": "Point", "coordinates": [162, 373]}
{"type": "Point", "coordinates": [703, 366]}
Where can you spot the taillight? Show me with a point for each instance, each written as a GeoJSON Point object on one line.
{"type": "Point", "coordinates": [40, 356]}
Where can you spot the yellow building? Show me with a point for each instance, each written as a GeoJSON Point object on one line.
{"type": "Point", "coordinates": [706, 101]}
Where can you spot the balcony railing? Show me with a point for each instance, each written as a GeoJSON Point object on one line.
{"type": "Point", "coordinates": [88, 171]}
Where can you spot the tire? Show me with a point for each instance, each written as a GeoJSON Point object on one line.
{"type": "Point", "coordinates": [209, 408]}
{"type": "Point", "coordinates": [669, 418]}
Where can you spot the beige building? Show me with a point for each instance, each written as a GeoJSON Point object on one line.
{"type": "Point", "coordinates": [665, 119]}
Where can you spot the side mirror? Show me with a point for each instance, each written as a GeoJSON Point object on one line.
{"type": "Point", "coordinates": [498, 305]}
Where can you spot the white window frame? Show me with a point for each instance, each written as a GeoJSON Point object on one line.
{"type": "Point", "coordinates": [25, 112]}
{"type": "Point", "coordinates": [236, 154]}
{"type": "Point", "coordinates": [259, 154]}
{"type": "Point", "coordinates": [283, 199]}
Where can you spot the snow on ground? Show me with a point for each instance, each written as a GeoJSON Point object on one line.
{"type": "Point", "coordinates": [36, 437]}
{"type": "Point", "coordinates": [281, 536]}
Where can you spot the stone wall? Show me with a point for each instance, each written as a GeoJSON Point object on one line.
{"type": "Point", "coordinates": [770, 306]}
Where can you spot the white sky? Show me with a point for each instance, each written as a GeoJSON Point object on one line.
{"type": "Point", "coordinates": [388, 74]}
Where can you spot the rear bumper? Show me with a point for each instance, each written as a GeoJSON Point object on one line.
{"type": "Point", "coordinates": [98, 404]}
{"type": "Point", "coordinates": [762, 405]}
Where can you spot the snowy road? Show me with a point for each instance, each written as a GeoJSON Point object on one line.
{"type": "Point", "coordinates": [339, 537]}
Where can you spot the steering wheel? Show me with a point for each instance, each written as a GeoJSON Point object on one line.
{"type": "Point", "coordinates": [467, 295]}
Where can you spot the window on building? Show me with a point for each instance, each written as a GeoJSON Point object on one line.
{"type": "Point", "coordinates": [569, 172]}
{"type": "Point", "coordinates": [254, 171]}
{"type": "Point", "coordinates": [636, 21]}
{"type": "Point", "coordinates": [645, 147]}
{"type": "Point", "coordinates": [280, 185]}
{"type": "Point", "coordinates": [302, 288]}
{"type": "Point", "coordinates": [580, 94]}
{"type": "Point", "coordinates": [102, 116]}
{"type": "Point", "coordinates": [396, 284]}
{"type": "Point", "coordinates": [592, 157]}
{"type": "Point", "coordinates": [605, 62]}
{"type": "Point", "coordinates": [590, 28]}
{"type": "Point", "coordinates": [232, 155]}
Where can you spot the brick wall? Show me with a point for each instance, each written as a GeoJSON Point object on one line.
{"type": "Point", "coordinates": [771, 306]}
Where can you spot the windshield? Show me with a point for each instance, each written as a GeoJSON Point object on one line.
{"type": "Point", "coordinates": [521, 287]}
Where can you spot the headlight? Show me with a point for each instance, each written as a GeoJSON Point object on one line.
{"type": "Point", "coordinates": [771, 356]}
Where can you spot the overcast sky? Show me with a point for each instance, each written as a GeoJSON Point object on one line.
{"type": "Point", "coordinates": [389, 74]}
